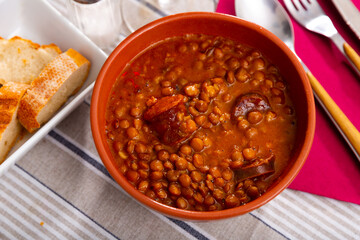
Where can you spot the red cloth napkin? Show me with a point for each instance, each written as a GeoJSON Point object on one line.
{"type": "Point", "coordinates": [331, 169]}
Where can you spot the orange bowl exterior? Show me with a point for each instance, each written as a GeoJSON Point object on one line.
{"type": "Point", "coordinates": [211, 24]}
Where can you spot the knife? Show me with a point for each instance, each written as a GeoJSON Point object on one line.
{"type": "Point", "coordinates": [350, 14]}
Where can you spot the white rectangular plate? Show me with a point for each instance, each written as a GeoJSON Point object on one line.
{"type": "Point", "coordinates": [38, 21]}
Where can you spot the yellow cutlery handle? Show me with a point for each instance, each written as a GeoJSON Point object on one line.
{"type": "Point", "coordinates": [345, 125]}
{"type": "Point", "coordinates": [352, 55]}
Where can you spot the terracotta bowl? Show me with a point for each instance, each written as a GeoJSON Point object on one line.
{"type": "Point", "coordinates": [210, 24]}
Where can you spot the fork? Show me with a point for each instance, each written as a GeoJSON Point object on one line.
{"type": "Point", "coordinates": [310, 15]}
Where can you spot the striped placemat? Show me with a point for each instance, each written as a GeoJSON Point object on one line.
{"type": "Point", "coordinates": [61, 190]}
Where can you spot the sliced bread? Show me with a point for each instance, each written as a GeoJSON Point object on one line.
{"type": "Point", "coordinates": [60, 79]}
{"type": "Point", "coordinates": [10, 128]}
{"type": "Point", "coordinates": [21, 60]}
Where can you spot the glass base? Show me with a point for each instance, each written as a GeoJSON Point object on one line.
{"type": "Point", "coordinates": [137, 13]}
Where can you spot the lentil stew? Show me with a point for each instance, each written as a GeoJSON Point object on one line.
{"type": "Point", "coordinates": [200, 122]}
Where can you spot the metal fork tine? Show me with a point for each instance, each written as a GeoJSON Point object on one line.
{"type": "Point", "coordinates": [307, 4]}
{"type": "Point", "coordinates": [290, 6]}
{"type": "Point", "coordinates": [298, 5]}
{"type": "Point", "coordinates": [316, 6]}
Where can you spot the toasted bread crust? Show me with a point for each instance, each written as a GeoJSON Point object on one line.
{"type": "Point", "coordinates": [37, 80]}
{"type": "Point", "coordinates": [27, 115]}
{"type": "Point", "coordinates": [44, 87]}
{"type": "Point", "coordinates": [79, 60]}
{"type": "Point", "coordinates": [23, 59]}
{"type": "Point", "coordinates": [36, 45]}
{"type": "Point", "coordinates": [52, 46]}
{"type": "Point", "coordinates": [31, 43]}
{"type": "Point", "coordinates": [10, 95]}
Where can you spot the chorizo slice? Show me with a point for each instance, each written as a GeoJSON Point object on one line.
{"type": "Point", "coordinates": [258, 168]}
{"type": "Point", "coordinates": [249, 102]}
{"type": "Point", "coordinates": [162, 119]}
{"type": "Point", "coordinates": [162, 105]}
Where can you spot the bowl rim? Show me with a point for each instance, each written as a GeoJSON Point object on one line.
{"type": "Point", "coordinates": [283, 183]}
